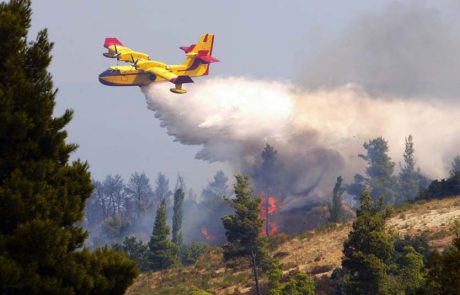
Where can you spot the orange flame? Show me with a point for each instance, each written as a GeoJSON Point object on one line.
{"type": "Point", "coordinates": [272, 205]}
{"type": "Point", "coordinates": [206, 234]}
{"type": "Point", "coordinates": [267, 207]}
{"type": "Point", "coordinates": [273, 229]}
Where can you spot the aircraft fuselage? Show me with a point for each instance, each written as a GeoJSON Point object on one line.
{"type": "Point", "coordinates": [127, 76]}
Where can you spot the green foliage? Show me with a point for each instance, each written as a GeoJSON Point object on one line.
{"type": "Point", "coordinates": [410, 275]}
{"type": "Point", "coordinates": [42, 195]}
{"type": "Point", "coordinates": [439, 189]}
{"type": "Point", "coordinates": [298, 283]}
{"type": "Point", "coordinates": [243, 228]}
{"type": "Point", "coordinates": [178, 212]}
{"type": "Point", "coordinates": [112, 271]}
{"type": "Point", "coordinates": [374, 262]}
{"type": "Point", "coordinates": [192, 252]}
{"type": "Point", "coordinates": [275, 275]}
{"type": "Point", "coordinates": [162, 252]}
{"type": "Point", "coordinates": [134, 249]}
{"type": "Point", "coordinates": [336, 207]}
{"type": "Point", "coordinates": [368, 251]}
{"type": "Point", "coordinates": [380, 168]}
{"type": "Point", "coordinates": [444, 269]}
{"type": "Point", "coordinates": [409, 177]}
{"type": "Point", "coordinates": [418, 243]}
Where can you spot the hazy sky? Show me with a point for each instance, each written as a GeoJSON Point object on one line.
{"type": "Point", "coordinates": [112, 125]}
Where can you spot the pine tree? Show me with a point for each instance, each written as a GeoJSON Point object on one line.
{"type": "Point", "coordinates": [179, 196]}
{"type": "Point", "coordinates": [409, 177]}
{"type": "Point", "coordinates": [368, 251]}
{"type": "Point", "coordinates": [162, 253]}
{"type": "Point", "coordinates": [336, 207]}
{"type": "Point", "coordinates": [42, 195]}
{"type": "Point", "coordinates": [380, 168]}
{"type": "Point", "coordinates": [244, 227]}
{"type": "Point", "coordinates": [410, 274]}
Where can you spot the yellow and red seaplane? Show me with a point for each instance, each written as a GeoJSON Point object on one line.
{"type": "Point", "coordinates": [144, 71]}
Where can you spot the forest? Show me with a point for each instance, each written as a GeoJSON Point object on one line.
{"type": "Point", "coordinates": [63, 232]}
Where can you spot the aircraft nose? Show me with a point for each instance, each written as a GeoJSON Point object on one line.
{"type": "Point", "coordinates": [102, 78]}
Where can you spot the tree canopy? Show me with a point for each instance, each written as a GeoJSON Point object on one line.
{"type": "Point", "coordinates": [42, 194]}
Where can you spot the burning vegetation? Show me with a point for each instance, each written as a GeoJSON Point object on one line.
{"type": "Point", "coordinates": [268, 208]}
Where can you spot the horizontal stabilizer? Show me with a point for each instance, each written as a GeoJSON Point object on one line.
{"type": "Point", "coordinates": [111, 41]}
{"type": "Point", "coordinates": [207, 59]}
{"type": "Point", "coordinates": [187, 49]}
{"type": "Point", "coordinates": [182, 79]}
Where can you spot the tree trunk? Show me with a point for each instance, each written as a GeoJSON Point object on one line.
{"type": "Point", "coordinates": [254, 270]}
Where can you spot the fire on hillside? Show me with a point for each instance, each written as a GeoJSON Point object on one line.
{"type": "Point", "coordinates": [268, 207]}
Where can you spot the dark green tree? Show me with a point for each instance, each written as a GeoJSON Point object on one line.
{"type": "Point", "coordinates": [179, 196]}
{"type": "Point", "coordinates": [379, 171]}
{"type": "Point", "coordinates": [410, 274]}
{"type": "Point", "coordinates": [409, 177]}
{"type": "Point", "coordinates": [368, 251]}
{"type": "Point", "coordinates": [455, 169]}
{"type": "Point", "coordinates": [243, 228]}
{"type": "Point", "coordinates": [42, 194]}
{"type": "Point", "coordinates": [193, 251]}
{"type": "Point", "coordinates": [376, 263]}
{"type": "Point", "coordinates": [134, 249]}
{"type": "Point", "coordinates": [298, 283]}
{"type": "Point", "coordinates": [336, 206]}
{"type": "Point", "coordinates": [444, 269]}
{"type": "Point", "coordinates": [162, 252]}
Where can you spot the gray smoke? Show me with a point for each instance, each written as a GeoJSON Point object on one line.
{"type": "Point", "coordinates": [410, 49]}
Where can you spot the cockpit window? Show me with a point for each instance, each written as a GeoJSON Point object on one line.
{"type": "Point", "coordinates": [111, 72]}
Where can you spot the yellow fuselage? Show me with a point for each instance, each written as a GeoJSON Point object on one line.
{"type": "Point", "coordinates": [127, 76]}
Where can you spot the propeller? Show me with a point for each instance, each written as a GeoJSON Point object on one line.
{"type": "Point", "coordinates": [116, 53]}
{"type": "Point", "coordinates": [134, 61]}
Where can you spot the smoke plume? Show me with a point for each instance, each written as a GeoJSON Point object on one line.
{"type": "Point", "coordinates": [389, 74]}
{"type": "Point", "coordinates": [410, 49]}
{"type": "Point", "coordinates": [318, 134]}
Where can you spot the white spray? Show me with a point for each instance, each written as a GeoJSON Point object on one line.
{"type": "Point", "coordinates": [318, 134]}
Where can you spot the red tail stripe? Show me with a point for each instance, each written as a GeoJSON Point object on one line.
{"type": "Point", "coordinates": [111, 41]}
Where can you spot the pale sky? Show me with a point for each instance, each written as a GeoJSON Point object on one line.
{"type": "Point", "coordinates": [112, 125]}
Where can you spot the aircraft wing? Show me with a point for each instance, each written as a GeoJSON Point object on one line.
{"type": "Point", "coordinates": [170, 76]}
{"type": "Point", "coordinates": [117, 50]}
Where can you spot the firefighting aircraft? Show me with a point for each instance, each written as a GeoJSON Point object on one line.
{"type": "Point", "coordinates": [144, 71]}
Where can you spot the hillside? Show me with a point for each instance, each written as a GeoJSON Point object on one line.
{"type": "Point", "coordinates": [317, 252]}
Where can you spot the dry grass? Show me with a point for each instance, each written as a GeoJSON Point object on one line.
{"type": "Point", "coordinates": [317, 252]}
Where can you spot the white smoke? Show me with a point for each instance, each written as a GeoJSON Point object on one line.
{"type": "Point", "coordinates": [318, 134]}
{"type": "Point", "coordinates": [405, 62]}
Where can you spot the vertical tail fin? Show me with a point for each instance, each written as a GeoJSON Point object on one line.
{"type": "Point", "coordinates": [199, 56]}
